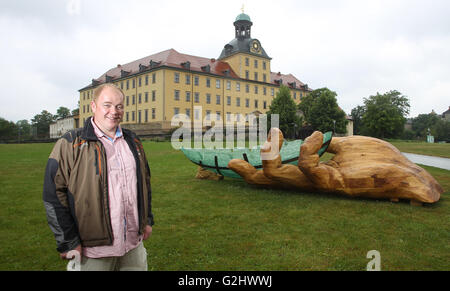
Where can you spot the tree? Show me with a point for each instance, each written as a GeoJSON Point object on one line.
{"type": "Point", "coordinates": [42, 123]}
{"type": "Point", "coordinates": [285, 107]}
{"type": "Point", "coordinates": [62, 112]}
{"type": "Point", "coordinates": [357, 114]}
{"type": "Point", "coordinates": [322, 111]}
{"type": "Point", "coordinates": [24, 129]}
{"type": "Point", "coordinates": [423, 122]}
{"type": "Point", "coordinates": [442, 130]}
{"type": "Point", "coordinates": [385, 114]}
{"type": "Point", "coordinates": [8, 129]}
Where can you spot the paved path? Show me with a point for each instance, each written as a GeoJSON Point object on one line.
{"type": "Point", "coordinates": [437, 162]}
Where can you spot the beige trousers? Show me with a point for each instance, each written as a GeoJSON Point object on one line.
{"type": "Point", "coordinates": [134, 260]}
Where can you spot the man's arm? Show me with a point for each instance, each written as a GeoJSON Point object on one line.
{"type": "Point", "coordinates": [56, 198]}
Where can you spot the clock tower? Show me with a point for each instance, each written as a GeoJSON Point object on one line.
{"type": "Point", "coordinates": [244, 53]}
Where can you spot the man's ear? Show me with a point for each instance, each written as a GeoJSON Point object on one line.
{"type": "Point", "coordinates": [93, 106]}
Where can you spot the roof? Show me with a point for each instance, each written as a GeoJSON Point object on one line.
{"type": "Point", "coordinates": [447, 112]}
{"type": "Point", "coordinates": [244, 17]}
{"type": "Point", "coordinates": [242, 45]}
{"type": "Point", "coordinates": [169, 58]}
{"type": "Point", "coordinates": [288, 80]}
{"type": "Point", "coordinates": [173, 59]}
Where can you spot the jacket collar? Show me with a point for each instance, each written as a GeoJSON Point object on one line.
{"type": "Point", "coordinates": [89, 131]}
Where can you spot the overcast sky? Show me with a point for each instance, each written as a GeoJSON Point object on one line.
{"type": "Point", "coordinates": [50, 49]}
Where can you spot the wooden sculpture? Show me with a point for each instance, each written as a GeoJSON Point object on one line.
{"type": "Point", "coordinates": [362, 166]}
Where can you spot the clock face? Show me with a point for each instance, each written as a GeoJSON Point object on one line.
{"type": "Point", "coordinates": [255, 46]}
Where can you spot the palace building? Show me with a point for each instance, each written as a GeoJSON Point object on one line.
{"type": "Point", "coordinates": [167, 83]}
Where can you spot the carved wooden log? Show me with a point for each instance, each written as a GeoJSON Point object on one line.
{"type": "Point", "coordinates": [362, 166]}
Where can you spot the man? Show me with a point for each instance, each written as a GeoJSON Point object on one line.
{"type": "Point", "coordinates": [97, 192]}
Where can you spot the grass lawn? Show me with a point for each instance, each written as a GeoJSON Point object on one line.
{"type": "Point", "coordinates": [423, 148]}
{"type": "Point", "coordinates": [229, 225]}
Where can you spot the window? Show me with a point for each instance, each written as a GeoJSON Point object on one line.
{"type": "Point", "coordinates": [146, 80]}
{"type": "Point", "coordinates": [196, 97]}
{"type": "Point", "coordinates": [153, 113]}
{"type": "Point", "coordinates": [218, 84]}
{"type": "Point", "coordinates": [247, 88]}
{"type": "Point", "coordinates": [140, 98]}
{"type": "Point", "coordinates": [139, 116]}
{"type": "Point", "coordinates": [264, 78]}
{"type": "Point", "coordinates": [177, 77]}
{"type": "Point", "coordinates": [128, 85]}
{"type": "Point", "coordinates": [121, 85]}
{"type": "Point", "coordinates": [256, 64]}
{"type": "Point", "coordinates": [238, 101]}
{"type": "Point", "coordinates": [217, 115]}
{"type": "Point", "coordinates": [128, 100]}
{"type": "Point", "coordinates": [133, 116]}
{"type": "Point", "coordinates": [208, 114]}
{"type": "Point", "coordinates": [247, 61]}
{"type": "Point", "coordinates": [228, 116]}
{"type": "Point", "coordinates": [272, 92]}
{"type": "Point", "coordinates": [196, 114]}
{"type": "Point", "coordinates": [238, 86]}
{"type": "Point", "coordinates": [188, 113]}
{"type": "Point", "coordinates": [127, 116]}
{"type": "Point", "coordinates": [256, 89]}
{"type": "Point", "coordinates": [265, 104]}
{"type": "Point", "coordinates": [196, 80]}
{"type": "Point", "coordinates": [228, 100]}
{"type": "Point", "coordinates": [153, 95]}
{"type": "Point", "coordinates": [188, 79]}
{"type": "Point", "coordinates": [134, 83]}
{"type": "Point", "coordinates": [153, 78]}
{"type": "Point", "coordinates": [177, 95]}
{"type": "Point", "coordinates": [140, 81]}
{"type": "Point", "coordinates": [208, 82]}
{"type": "Point", "coordinates": [146, 115]}
{"type": "Point", "coordinates": [208, 98]}
{"type": "Point", "coordinates": [247, 75]}
{"type": "Point", "coordinates": [176, 110]}
{"type": "Point", "coordinates": [264, 65]}
{"type": "Point", "coordinates": [264, 90]}
{"type": "Point", "coordinates": [256, 103]}
{"type": "Point", "coordinates": [146, 97]}
{"type": "Point", "coordinates": [247, 102]}
{"type": "Point", "coordinates": [295, 95]}
{"type": "Point", "coordinates": [228, 85]}
{"type": "Point", "coordinates": [133, 101]}
{"type": "Point", "coordinates": [188, 96]}
{"type": "Point", "coordinates": [218, 99]}
{"type": "Point", "coordinates": [256, 76]}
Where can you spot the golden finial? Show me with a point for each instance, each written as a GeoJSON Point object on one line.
{"type": "Point", "coordinates": [242, 9]}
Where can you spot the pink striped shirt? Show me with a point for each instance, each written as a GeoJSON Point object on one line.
{"type": "Point", "coordinates": [122, 183]}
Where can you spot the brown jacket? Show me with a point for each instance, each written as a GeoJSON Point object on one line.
{"type": "Point", "coordinates": [76, 189]}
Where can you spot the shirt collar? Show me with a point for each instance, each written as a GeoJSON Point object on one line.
{"type": "Point", "coordinates": [99, 133]}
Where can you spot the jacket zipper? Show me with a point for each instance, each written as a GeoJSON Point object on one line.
{"type": "Point", "coordinates": [105, 191]}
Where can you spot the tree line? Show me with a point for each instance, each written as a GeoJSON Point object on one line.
{"type": "Point", "coordinates": [39, 128]}
{"type": "Point", "coordinates": [381, 116]}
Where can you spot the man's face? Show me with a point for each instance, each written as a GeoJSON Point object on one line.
{"type": "Point", "coordinates": [108, 110]}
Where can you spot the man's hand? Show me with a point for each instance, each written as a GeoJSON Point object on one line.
{"type": "Point", "coordinates": [147, 232]}
{"type": "Point", "coordinates": [64, 255]}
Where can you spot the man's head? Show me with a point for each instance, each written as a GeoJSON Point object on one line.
{"type": "Point", "coordinates": [107, 106]}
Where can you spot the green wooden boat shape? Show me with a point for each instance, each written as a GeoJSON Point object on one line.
{"type": "Point", "coordinates": [216, 160]}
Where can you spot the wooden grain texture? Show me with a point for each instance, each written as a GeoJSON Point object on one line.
{"type": "Point", "coordinates": [361, 167]}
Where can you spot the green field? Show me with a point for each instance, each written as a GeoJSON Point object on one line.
{"type": "Point", "coordinates": [229, 225]}
{"type": "Point", "coordinates": [423, 148]}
